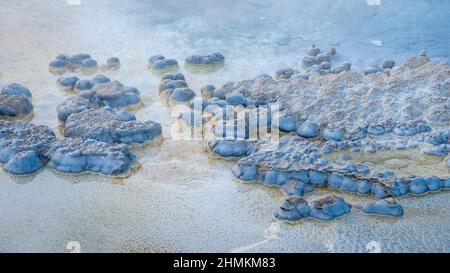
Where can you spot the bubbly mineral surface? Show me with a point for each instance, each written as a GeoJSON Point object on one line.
{"type": "Point", "coordinates": [76, 156]}
{"type": "Point", "coordinates": [24, 146]}
{"type": "Point", "coordinates": [15, 105]}
{"type": "Point", "coordinates": [108, 125]}
{"type": "Point", "coordinates": [383, 134]}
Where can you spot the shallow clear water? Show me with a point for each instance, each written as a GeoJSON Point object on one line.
{"type": "Point", "coordinates": [181, 200]}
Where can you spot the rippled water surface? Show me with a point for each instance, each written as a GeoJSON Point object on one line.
{"type": "Point", "coordinates": [180, 199]}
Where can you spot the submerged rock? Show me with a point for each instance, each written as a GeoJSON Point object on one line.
{"type": "Point", "coordinates": [76, 156]}
{"type": "Point", "coordinates": [15, 105]}
{"type": "Point", "coordinates": [108, 125]}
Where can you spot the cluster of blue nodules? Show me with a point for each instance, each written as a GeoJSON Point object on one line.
{"type": "Point", "coordinates": [320, 63]}
{"type": "Point", "coordinates": [173, 85]}
{"type": "Point", "coordinates": [160, 63]}
{"type": "Point", "coordinates": [80, 61]}
{"type": "Point", "coordinates": [73, 83]}
{"type": "Point", "coordinates": [418, 185]}
{"type": "Point", "coordinates": [206, 60]}
{"type": "Point", "coordinates": [98, 92]}
{"type": "Point", "coordinates": [328, 208]}
{"type": "Point", "coordinates": [387, 206]}
{"type": "Point", "coordinates": [386, 65]}
{"type": "Point", "coordinates": [268, 168]}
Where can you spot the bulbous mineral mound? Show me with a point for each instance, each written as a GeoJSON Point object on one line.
{"type": "Point", "coordinates": [114, 94]}
{"type": "Point", "coordinates": [107, 125]}
{"type": "Point", "coordinates": [15, 105]}
{"type": "Point", "coordinates": [77, 156]}
{"type": "Point", "coordinates": [24, 146]}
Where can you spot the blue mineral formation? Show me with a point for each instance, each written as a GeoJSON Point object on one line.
{"type": "Point", "coordinates": [294, 208]}
{"type": "Point", "coordinates": [387, 206]}
{"type": "Point", "coordinates": [15, 89]}
{"type": "Point", "coordinates": [212, 59]}
{"type": "Point", "coordinates": [330, 207]}
{"type": "Point", "coordinates": [74, 63]}
{"type": "Point", "coordinates": [159, 63]}
{"type": "Point", "coordinates": [24, 146]}
{"type": "Point", "coordinates": [182, 94]}
{"type": "Point", "coordinates": [67, 83]}
{"type": "Point", "coordinates": [113, 63]}
{"type": "Point", "coordinates": [77, 156]}
{"type": "Point", "coordinates": [15, 105]}
{"type": "Point", "coordinates": [73, 105]}
{"type": "Point", "coordinates": [108, 125]}
{"type": "Point", "coordinates": [114, 94]}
